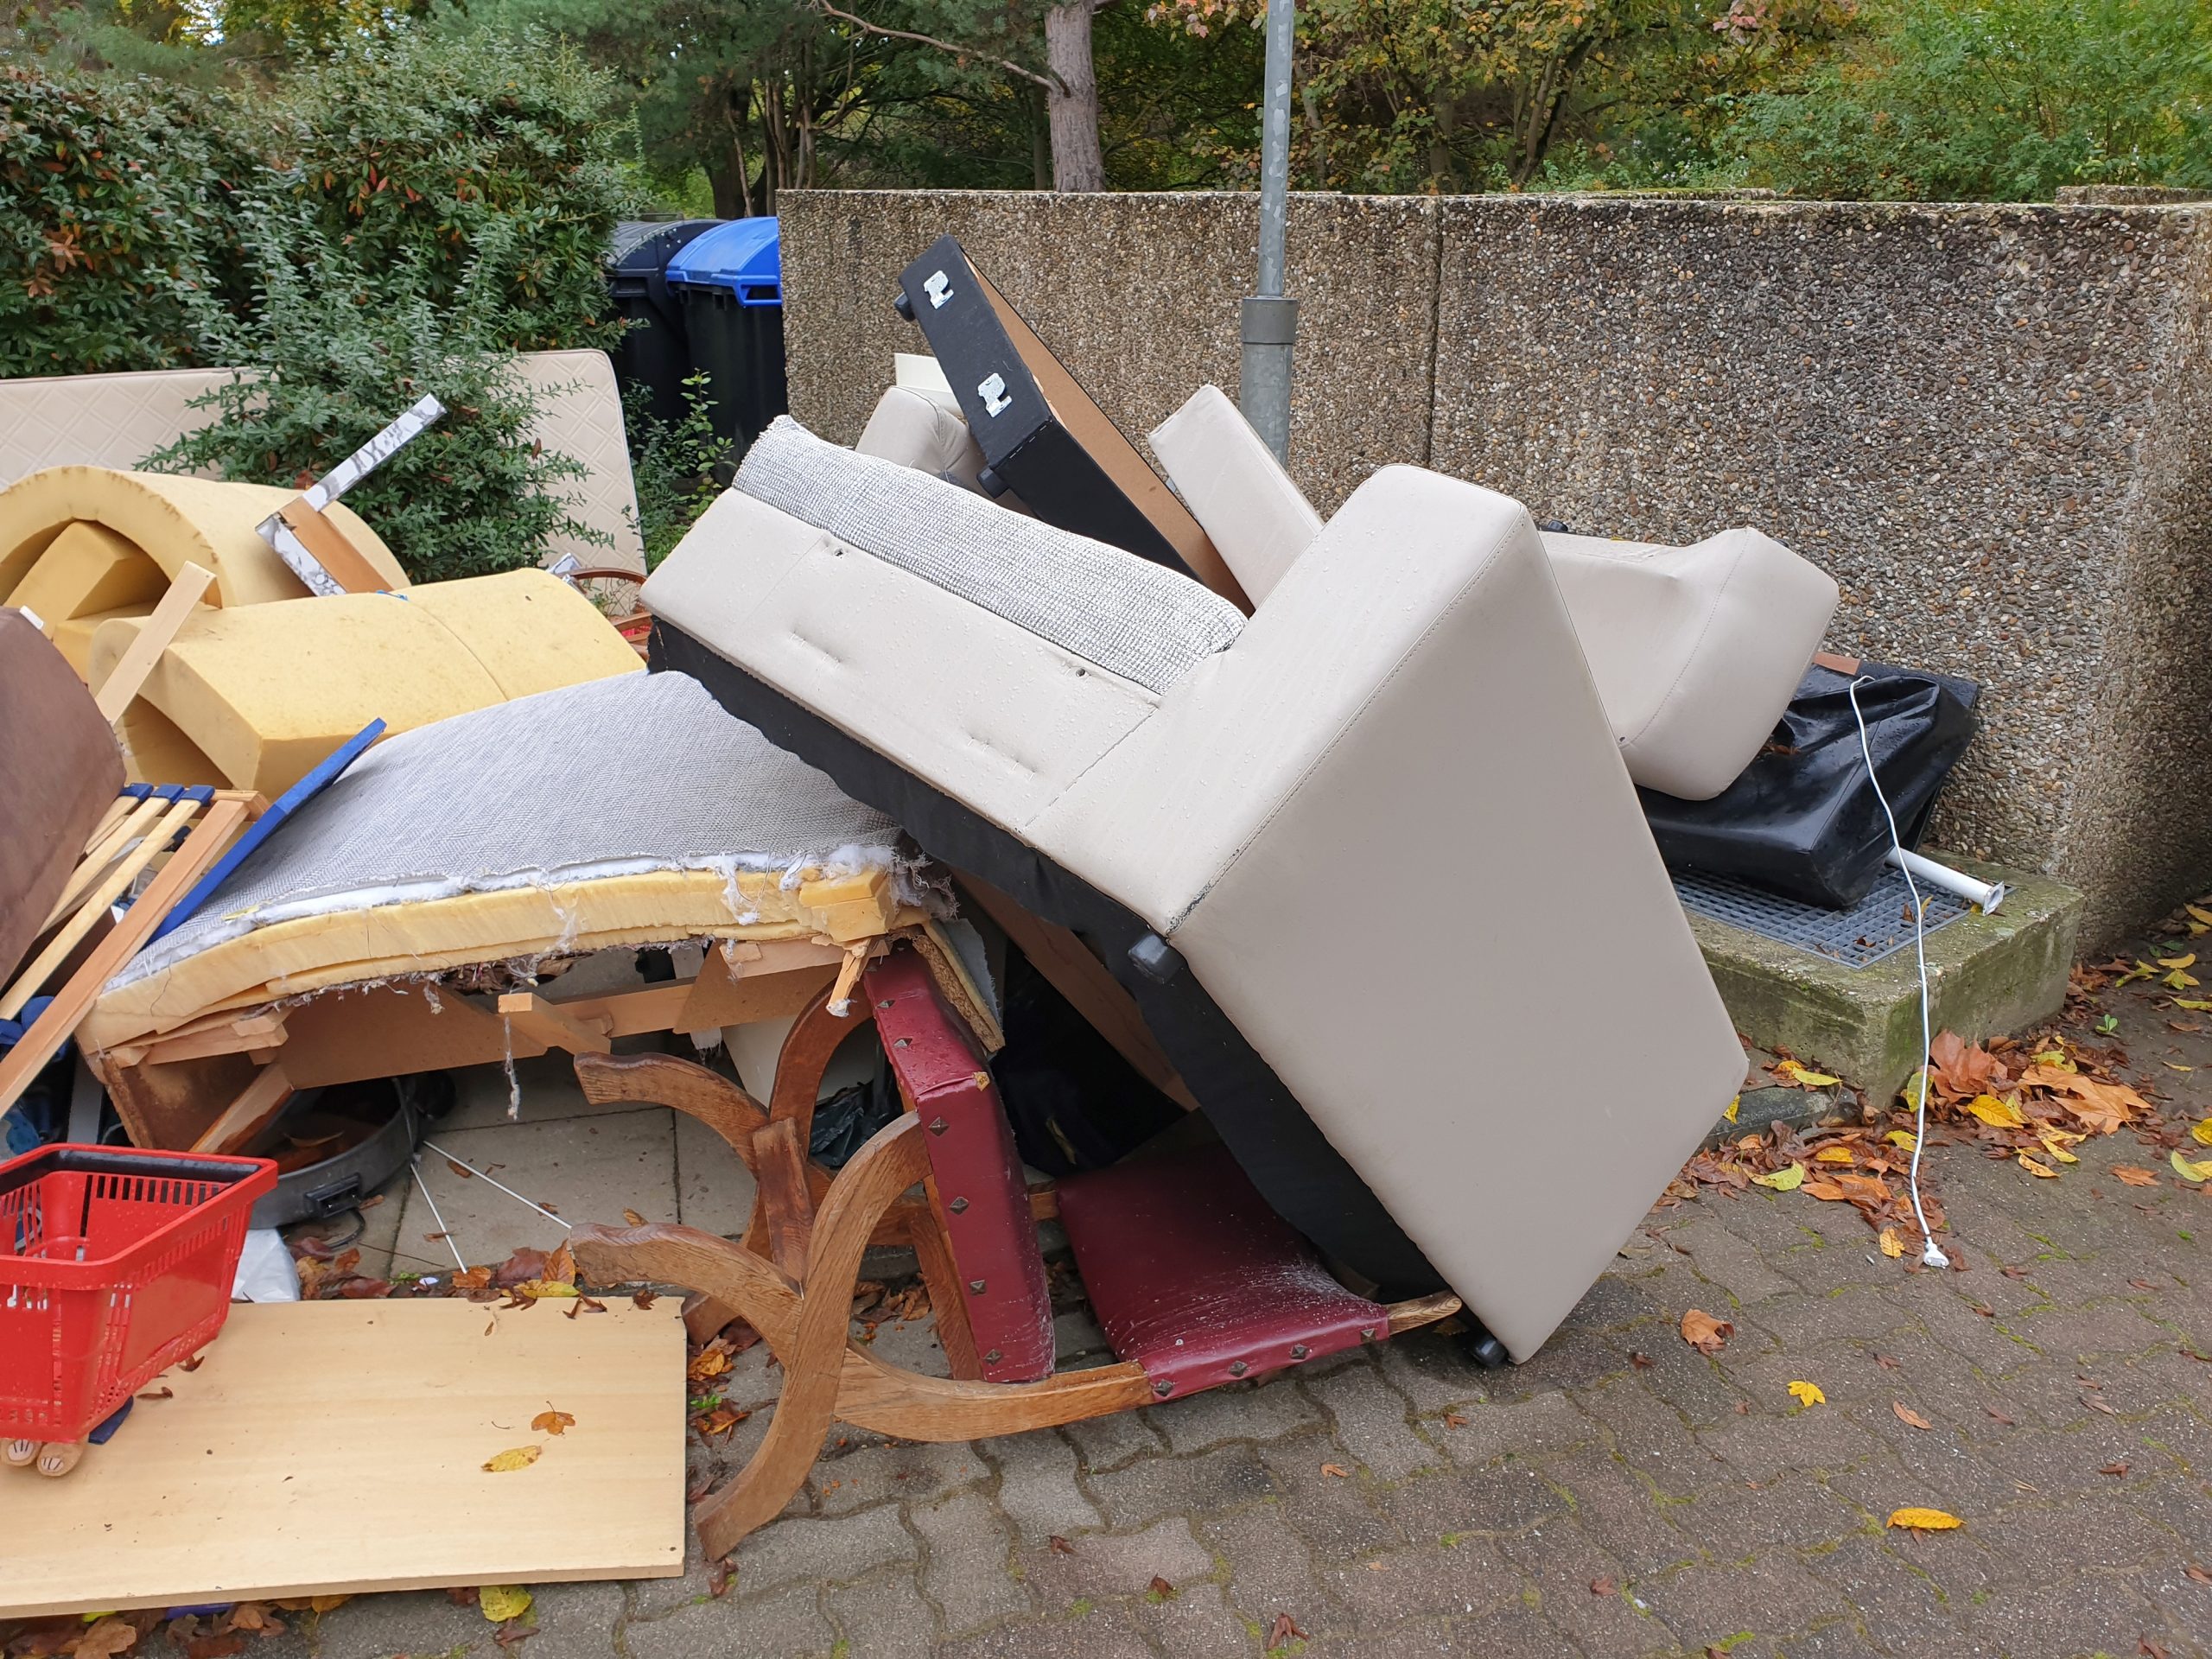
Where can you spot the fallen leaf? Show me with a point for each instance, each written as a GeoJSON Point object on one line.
{"type": "Point", "coordinates": [711, 1364]}
{"type": "Point", "coordinates": [1992, 1411]}
{"type": "Point", "coordinates": [520, 1457]}
{"type": "Point", "coordinates": [110, 1637]}
{"type": "Point", "coordinates": [2056, 1142]}
{"type": "Point", "coordinates": [1924, 1520]}
{"type": "Point", "coordinates": [2178, 981]}
{"type": "Point", "coordinates": [644, 1298]}
{"type": "Point", "coordinates": [501, 1602]}
{"type": "Point", "coordinates": [1734, 1107]}
{"type": "Point", "coordinates": [1285, 1630]}
{"type": "Point", "coordinates": [2188, 961]}
{"type": "Point", "coordinates": [584, 1304]}
{"type": "Point", "coordinates": [2113, 1469]}
{"type": "Point", "coordinates": [1453, 1420]}
{"type": "Point", "coordinates": [718, 1578]}
{"type": "Point", "coordinates": [2203, 1132]}
{"type": "Point", "coordinates": [1889, 1362]}
{"type": "Point", "coordinates": [633, 1218]}
{"type": "Point", "coordinates": [1904, 1140]}
{"type": "Point", "coordinates": [2171, 1066]}
{"type": "Point", "coordinates": [2034, 1169]}
{"type": "Point", "coordinates": [2095, 1404]}
{"type": "Point", "coordinates": [1783, 1181]}
{"type": "Point", "coordinates": [545, 1289]}
{"type": "Point", "coordinates": [2198, 1573]}
{"type": "Point", "coordinates": [1804, 1076]}
{"type": "Point", "coordinates": [1892, 1243]}
{"type": "Point", "coordinates": [1829, 1191]}
{"type": "Point", "coordinates": [461, 1170]}
{"type": "Point", "coordinates": [2151, 1649]}
{"type": "Point", "coordinates": [2199, 1005]}
{"type": "Point", "coordinates": [1641, 1361]}
{"type": "Point", "coordinates": [158, 1394]}
{"type": "Point", "coordinates": [1833, 1156]}
{"type": "Point", "coordinates": [2199, 1171]}
{"type": "Point", "coordinates": [1908, 1416]}
{"type": "Point", "coordinates": [1338, 1470]}
{"type": "Point", "coordinates": [550, 1421]}
{"type": "Point", "coordinates": [1603, 1587]}
{"type": "Point", "coordinates": [1998, 1114]}
{"type": "Point", "coordinates": [1160, 1589]}
{"type": "Point", "coordinates": [1808, 1393]}
{"type": "Point", "coordinates": [1060, 1546]}
{"type": "Point", "coordinates": [1704, 1333]}
{"type": "Point", "coordinates": [2135, 1177]}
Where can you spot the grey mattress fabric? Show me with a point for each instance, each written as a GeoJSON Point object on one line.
{"type": "Point", "coordinates": [1128, 615]}
{"type": "Point", "coordinates": [639, 773]}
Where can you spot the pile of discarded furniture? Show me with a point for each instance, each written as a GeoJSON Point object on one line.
{"type": "Point", "coordinates": [1312, 822]}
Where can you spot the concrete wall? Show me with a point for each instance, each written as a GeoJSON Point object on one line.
{"type": "Point", "coordinates": [1993, 425]}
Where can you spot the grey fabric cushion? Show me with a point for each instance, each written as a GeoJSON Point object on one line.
{"type": "Point", "coordinates": [614, 777]}
{"type": "Point", "coordinates": [1128, 615]}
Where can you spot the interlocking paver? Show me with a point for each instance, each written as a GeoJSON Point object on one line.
{"type": "Point", "coordinates": [1706, 1505]}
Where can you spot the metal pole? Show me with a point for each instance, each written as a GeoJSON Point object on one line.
{"type": "Point", "coordinates": [1270, 320]}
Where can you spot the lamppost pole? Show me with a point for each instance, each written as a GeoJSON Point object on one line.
{"type": "Point", "coordinates": [1270, 320]}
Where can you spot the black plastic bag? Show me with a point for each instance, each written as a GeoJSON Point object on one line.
{"type": "Point", "coordinates": [1802, 820]}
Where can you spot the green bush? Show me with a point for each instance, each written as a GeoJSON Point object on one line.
{"type": "Point", "coordinates": [341, 354]}
{"type": "Point", "coordinates": [118, 200]}
{"type": "Point", "coordinates": [492, 161]}
{"type": "Point", "coordinates": [2002, 100]}
{"type": "Point", "coordinates": [675, 466]}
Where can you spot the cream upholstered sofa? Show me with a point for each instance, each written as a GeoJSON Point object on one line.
{"type": "Point", "coordinates": [1696, 650]}
{"type": "Point", "coordinates": [1349, 857]}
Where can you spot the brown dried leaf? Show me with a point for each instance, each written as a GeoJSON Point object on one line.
{"type": "Point", "coordinates": [550, 1422]}
{"type": "Point", "coordinates": [2134, 1177]}
{"type": "Point", "coordinates": [1704, 1333]}
{"type": "Point", "coordinates": [633, 1218]}
{"type": "Point", "coordinates": [2197, 1575]}
{"type": "Point", "coordinates": [2113, 1469]}
{"type": "Point", "coordinates": [462, 1170]}
{"type": "Point", "coordinates": [2009, 1423]}
{"type": "Point", "coordinates": [1641, 1362]}
{"type": "Point", "coordinates": [1453, 1420]}
{"type": "Point", "coordinates": [644, 1298]}
{"type": "Point", "coordinates": [1285, 1630]}
{"type": "Point", "coordinates": [1907, 1415]}
{"type": "Point", "coordinates": [158, 1394]}
{"type": "Point", "coordinates": [1603, 1587]}
{"type": "Point", "coordinates": [2095, 1404]}
{"type": "Point", "coordinates": [104, 1640]}
{"type": "Point", "coordinates": [1060, 1546]}
{"type": "Point", "coordinates": [1338, 1470]}
{"type": "Point", "coordinates": [1160, 1589]}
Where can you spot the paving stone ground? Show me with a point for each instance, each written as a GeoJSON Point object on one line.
{"type": "Point", "coordinates": [1621, 1494]}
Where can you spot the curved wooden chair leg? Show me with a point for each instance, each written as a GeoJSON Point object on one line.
{"type": "Point", "coordinates": [663, 1080]}
{"type": "Point", "coordinates": [801, 1064]}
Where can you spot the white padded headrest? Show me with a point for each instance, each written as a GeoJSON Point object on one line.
{"type": "Point", "coordinates": [1236, 489]}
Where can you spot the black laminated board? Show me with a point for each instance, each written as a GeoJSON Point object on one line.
{"type": "Point", "coordinates": [1041, 435]}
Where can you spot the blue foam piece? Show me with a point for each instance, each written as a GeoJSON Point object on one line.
{"type": "Point", "coordinates": [269, 821]}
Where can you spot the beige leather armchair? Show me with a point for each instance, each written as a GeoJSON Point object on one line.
{"type": "Point", "coordinates": [1368, 862]}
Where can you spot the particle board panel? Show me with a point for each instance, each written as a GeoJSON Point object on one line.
{"type": "Point", "coordinates": [334, 1447]}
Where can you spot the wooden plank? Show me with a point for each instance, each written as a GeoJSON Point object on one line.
{"type": "Point", "coordinates": [250, 1035]}
{"type": "Point", "coordinates": [779, 1165]}
{"type": "Point", "coordinates": [254, 1110]}
{"type": "Point", "coordinates": [105, 849]}
{"type": "Point", "coordinates": [554, 1025]}
{"type": "Point", "coordinates": [120, 689]}
{"type": "Point", "coordinates": [51, 1029]}
{"type": "Point", "coordinates": [384, 1412]}
{"type": "Point", "coordinates": [1076, 974]}
{"type": "Point", "coordinates": [333, 549]}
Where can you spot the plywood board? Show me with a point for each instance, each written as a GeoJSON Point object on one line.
{"type": "Point", "coordinates": [330, 1448]}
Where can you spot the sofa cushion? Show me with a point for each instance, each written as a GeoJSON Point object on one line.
{"type": "Point", "coordinates": [1131, 617]}
{"type": "Point", "coordinates": [1696, 650]}
{"type": "Point", "coordinates": [1236, 489]}
{"type": "Point", "coordinates": [920, 429]}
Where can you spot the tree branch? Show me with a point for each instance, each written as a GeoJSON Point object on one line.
{"type": "Point", "coordinates": [1050, 83]}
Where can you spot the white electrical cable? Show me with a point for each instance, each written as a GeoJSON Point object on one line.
{"type": "Point", "coordinates": [415, 1168]}
{"type": "Point", "coordinates": [1929, 1256]}
{"type": "Point", "coordinates": [566, 1226]}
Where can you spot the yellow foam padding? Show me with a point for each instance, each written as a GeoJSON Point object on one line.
{"type": "Point", "coordinates": [87, 569]}
{"type": "Point", "coordinates": [168, 521]}
{"type": "Point", "coordinates": [255, 696]}
{"type": "Point", "coordinates": [354, 947]}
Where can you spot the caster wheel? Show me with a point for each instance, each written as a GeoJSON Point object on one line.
{"type": "Point", "coordinates": [1485, 1349]}
{"type": "Point", "coordinates": [903, 306]}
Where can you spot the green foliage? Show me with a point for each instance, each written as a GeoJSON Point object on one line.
{"type": "Point", "coordinates": [339, 354]}
{"type": "Point", "coordinates": [674, 466]}
{"type": "Point", "coordinates": [118, 200]}
{"type": "Point", "coordinates": [496, 165]}
{"type": "Point", "coordinates": [1996, 100]}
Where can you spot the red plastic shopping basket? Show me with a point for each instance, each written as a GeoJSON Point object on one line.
{"type": "Point", "coordinates": [114, 1265]}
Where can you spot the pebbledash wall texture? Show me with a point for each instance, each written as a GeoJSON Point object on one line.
{"type": "Point", "coordinates": [1991, 424]}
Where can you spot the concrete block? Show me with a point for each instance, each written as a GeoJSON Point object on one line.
{"type": "Point", "coordinates": [1989, 975]}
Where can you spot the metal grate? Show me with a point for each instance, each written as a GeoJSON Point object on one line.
{"type": "Point", "coordinates": [1877, 926]}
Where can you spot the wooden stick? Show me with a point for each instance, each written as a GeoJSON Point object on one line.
{"type": "Point", "coordinates": [58, 947]}
{"type": "Point", "coordinates": [103, 853]}
{"type": "Point", "coordinates": [52, 1029]}
{"type": "Point", "coordinates": [551, 1026]}
{"type": "Point", "coordinates": [117, 809]}
{"type": "Point", "coordinates": [331, 547]}
{"type": "Point", "coordinates": [1422, 1310]}
{"type": "Point", "coordinates": [122, 685]}
{"type": "Point", "coordinates": [250, 1113]}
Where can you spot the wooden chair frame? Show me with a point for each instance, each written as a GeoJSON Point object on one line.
{"type": "Point", "coordinates": [793, 1276]}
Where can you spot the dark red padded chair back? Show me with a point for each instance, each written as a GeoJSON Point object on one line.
{"type": "Point", "coordinates": [981, 1193]}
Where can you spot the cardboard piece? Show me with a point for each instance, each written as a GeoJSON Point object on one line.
{"type": "Point", "coordinates": [328, 1448]}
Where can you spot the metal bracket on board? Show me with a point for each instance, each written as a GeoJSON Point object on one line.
{"type": "Point", "coordinates": [308, 543]}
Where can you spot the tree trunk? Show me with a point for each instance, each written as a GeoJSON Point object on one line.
{"type": "Point", "coordinates": [1072, 107]}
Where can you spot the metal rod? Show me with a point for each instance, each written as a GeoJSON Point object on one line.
{"type": "Point", "coordinates": [415, 1168]}
{"type": "Point", "coordinates": [509, 1190]}
{"type": "Point", "coordinates": [1270, 320]}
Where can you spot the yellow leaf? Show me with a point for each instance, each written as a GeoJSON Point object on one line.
{"type": "Point", "coordinates": [2034, 1169]}
{"type": "Point", "coordinates": [550, 1421]}
{"type": "Point", "coordinates": [2054, 1057]}
{"type": "Point", "coordinates": [1734, 1106]}
{"type": "Point", "coordinates": [2189, 1171]}
{"type": "Point", "coordinates": [2188, 961]}
{"type": "Point", "coordinates": [2203, 1132]}
{"type": "Point", "coordinates": [535, 1288]}
{"type": "Point", "coordinates": [520, 1458]}
{"type": "Point", "coordinates": [1904, 1139]}
{"type": "Point", "coordinates": [1783, 1181]}
{"type": "Point", "coordinates": [2142, 969]}
{"type": "Point", "coordinates": [2171, 1066]}
{"type": "Point", "coordinates": [1924, 1520]}
{"type": "Point", "coordinates": [501, 1602]}
{"type": "Point", "coordinates": [1808, 1394]}
{"type": "Point", "coordinates": [1892, 1245]}
{"type": "Point", "coordinates": [2053, 1144]}
{"type": "Point", "coordinates": [1914, 1087]}
{"type": "Point", "coordinates": [2178, 981]}
{"type": "Point", "coordinates": [1998, 1114]}
{"type": "Point", "coordinates": [2197, 1007]}
{"type": "Point", "coordinates": [2204, 916]}
{"type": "Point", "coordinates": [2134, 1176]}
{"type": "Point", "coordinates": [1805, 1077]}
{"type": "Point", "coordinates": [1833, 1156]}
